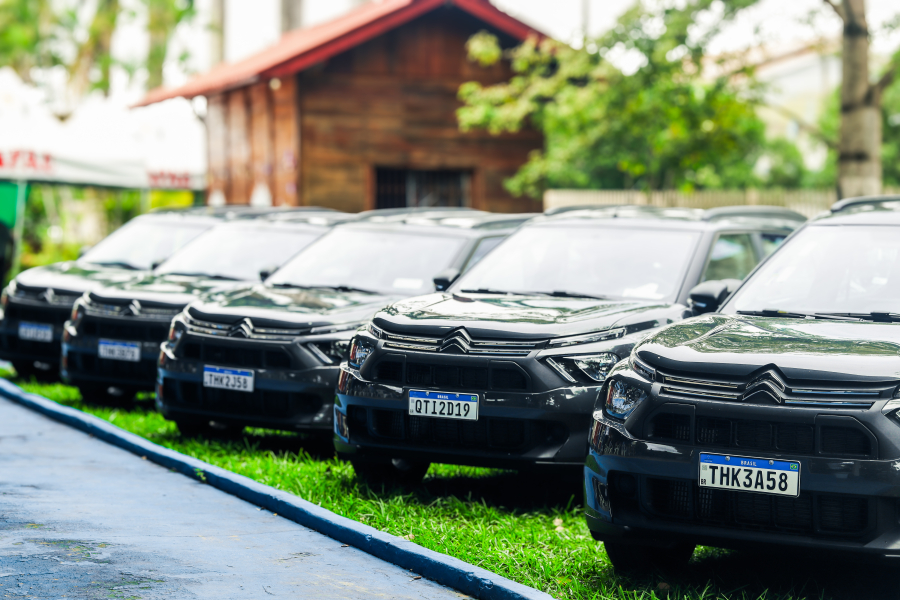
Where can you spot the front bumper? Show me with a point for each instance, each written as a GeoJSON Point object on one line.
{"type": "Point", "coordinates": [645, 492]}
{"type": "Point", "coordinates": [283, 398]}
{"type": "Point", "coordinates": [513, 431]}
{"type": "Point", "coordinates": [81, 363]}
{"type": "Point", "coordinates": [15, 349]}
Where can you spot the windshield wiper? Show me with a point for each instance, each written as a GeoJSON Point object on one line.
{"type": "Point", "coordinates": [566, 294]}
{"type": "Point", "coordinates": [206, 276]}
{"type": "Point", "coordinates": [487, 291]}
{"type": "Point", "coordinates": [337, 288]}
{"type": "Point", "coordinates": [120, 264]}
{"type": "Point", "coordinates": [784, 314]}
{"type": "Point", "coordinates": [878, 317]}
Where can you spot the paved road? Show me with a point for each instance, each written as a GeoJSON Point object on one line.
{"type": "Point", "coordinates": [82, 519]}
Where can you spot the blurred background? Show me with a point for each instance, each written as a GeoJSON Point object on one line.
{"type": "Point", "coordinates": [109, 108]}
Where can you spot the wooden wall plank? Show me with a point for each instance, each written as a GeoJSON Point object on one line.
{"type": "Point", "coordinates": [217, 144]}
{"type": "Point", "coordinates": [261, 137]}
{"type": "Point", "coordinates": [286, 130]}
{"type": "Point", "coordinates": [239, 147]}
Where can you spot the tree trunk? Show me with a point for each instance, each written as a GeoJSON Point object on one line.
{"type": "Point", "coordinates": [859, 172]}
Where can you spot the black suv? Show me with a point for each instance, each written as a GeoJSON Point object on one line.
{"type": "Point", "coordinates": [268, 355]}
{"type": "Point", "coordinates": [503, 369]}
{"type": "Point", "coordinates": [38, 301]}
{"type": "Point", "coordinates": [773, 421]}
{"type": "Point", "coordinates": [111, 342]}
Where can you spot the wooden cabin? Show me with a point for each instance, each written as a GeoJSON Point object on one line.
{"type": "Point", "coordinates": [360, 113]}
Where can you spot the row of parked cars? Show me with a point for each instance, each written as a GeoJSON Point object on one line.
{"type": "Point", "coordinates": [617, 340]}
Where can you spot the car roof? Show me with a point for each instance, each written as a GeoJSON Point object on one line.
{"type": "Point", "coordinates": [722, 217]}
{"type": "Point", "coordinates": [460, 219]}
{"type": "Point", "coordinates": [863, 210]}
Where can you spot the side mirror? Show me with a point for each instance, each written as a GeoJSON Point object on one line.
{"type": "Point", "coordinates": [265, 272]}
{"type": "Point", "coordinates": [84, 250]}
{"type": "Point", "coordinates": [445, 279]}
{"type": "Point", "coordinates": [710, 295]}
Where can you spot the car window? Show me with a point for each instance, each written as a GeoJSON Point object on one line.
{"type": "Point", "coordinates": [771, 242]}
{"type": "Point", "coordinates": [484, 246]}
{"type": "Point", "coordinates": [732, 257]}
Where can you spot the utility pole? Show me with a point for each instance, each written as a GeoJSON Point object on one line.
{"type": "Point", "coordinates": [291, 15]}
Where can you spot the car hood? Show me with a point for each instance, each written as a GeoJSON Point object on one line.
{"type": "Point", "coordinates": [74, 277]}
{"type": "Point", "coordinates": [162, 289]}
{"type": "Point", "coordinates": [801, 349]}
{"type": "Point", "coordinates": [270, 306]}
{"type": "Point", "coordinates": [526, 317]}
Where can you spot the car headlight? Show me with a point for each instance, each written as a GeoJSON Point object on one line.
{"type": "Point", "coordinates": [8, 291]}
{"type": "Point", "coordinates": [77, 312]}
{"type": "Point", "coordinates": [594, 366]}
{"type": "Point", "coordinates": [332, 352]}
{"type": "Point", "coordinates": [176, 330]}
{"type": "Point", "coordinates": [622, 399]}
{"type": "Point", "coordinates": [359, 352]}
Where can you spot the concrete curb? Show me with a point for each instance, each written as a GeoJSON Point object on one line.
{"type": "Point", "coordinates": [438, 567]}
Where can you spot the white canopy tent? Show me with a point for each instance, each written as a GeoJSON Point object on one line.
{"type": "Point", "coordinates": [102, 144]}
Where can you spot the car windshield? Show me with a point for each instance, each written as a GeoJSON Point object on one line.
{"type": "Point", "coordinates": [606, 262]}
{"type": "Point", "coordinates": [239, 251]}
{"type": "Point", "coordinates": [824, 269]}
{"type": "Point", "coordinates": [385, 261]}
{"type": "Point", "coordinates": [143, 242]}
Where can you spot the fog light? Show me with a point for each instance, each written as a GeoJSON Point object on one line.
{"type": "Point", "coordinates": [343, 428]}
{"type": "Point", "coordinates": [622, 399]}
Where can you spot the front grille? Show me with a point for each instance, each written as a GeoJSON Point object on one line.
{"type": "Point", "coordinates": [130, 331]}
{"type": "Point", "coordinates": [36, 314]}
{"type": "Point", "coordinates": [144, 370]}
{"type": "Point", "coordinates": [451, 377]}
{"type": "Point", "coordinates": [792, 438]}
{"type": "Point", "coordinates": [258, 403]}
{"type": "Point", "coordinates": [459, 341]}
{"type": "Point", "coordinates": [243, 329]}
{"type": "Point", "coordinates": [236, 356]}
{"type": "Point", "coordinates": [771, 387]}
{"type": "Point", "coordinates": [487, 433]}
{"type": "Point", "coordinates": [685, 500]}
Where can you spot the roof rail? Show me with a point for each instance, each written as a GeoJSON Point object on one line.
{"type": "Point", "coordinates": [862, 200]}
{"type": "Point", "coordinates": [562, 209]}
{"type": "Point", "coordinates": [730, 212]}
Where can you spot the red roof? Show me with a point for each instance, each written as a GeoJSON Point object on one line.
{"type": "Point", "coordinates": [300, 49]}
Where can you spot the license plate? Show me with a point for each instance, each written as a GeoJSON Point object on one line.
{"type": "Point", "coordinates": [445, 405]}
{"type": "Point", "coordinates": [745, 474]}
{"type": "Point", "coordinates": [114, 350]}
{"type": "Point", "coordinates": [36, 332]}
{"type": "Point", "coordinates": [228, 379]}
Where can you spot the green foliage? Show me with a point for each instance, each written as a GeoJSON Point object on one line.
{"type": "Point", "coordinates": [659, 127]}
{"type": "Point", "coordinates": [28, 35]}
{"type": "Point", "coordinates": [526, 527]}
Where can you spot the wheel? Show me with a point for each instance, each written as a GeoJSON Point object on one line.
{"type": "Point", "coordinates": [26, 369]}
{"type": "Point", "coordinates": [394, 471]}
{"type": "Point", "coordinates": [636, 558]}
{"type": "Point", "coordinates": [97, 393]}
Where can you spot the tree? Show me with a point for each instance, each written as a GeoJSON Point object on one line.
{"type": "Point", "coordinates": [659, 127]}
{"type": "Point", "coordinates": [163, 17]}
{"type": "Point", "coordinates": [859, 155]}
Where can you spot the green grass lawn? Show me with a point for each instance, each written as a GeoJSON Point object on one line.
{"type": "Point", "coordinates": [528, 529]}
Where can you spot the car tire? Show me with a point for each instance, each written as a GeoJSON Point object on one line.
{"type": "Point", "coordinates": [641, 558]}
{"type": "Point", "coordinates": [395, 471]}
{"type": "Point", "coordinates": [28, 369]}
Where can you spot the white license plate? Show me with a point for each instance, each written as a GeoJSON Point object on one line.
{"type": "Point", "coordinates": [746, 474]}
{"type": "Point", "coordinates": [447, 405]}
{"type": "Point", "coordinates": [36, 332]}
{"type": "Point", "coordinates": [115, 350]}
{"type": "Point", "coordinates": [228, 379]}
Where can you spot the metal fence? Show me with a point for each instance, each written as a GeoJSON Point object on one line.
{"type": "Point", "coordinates": [806, 202]}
